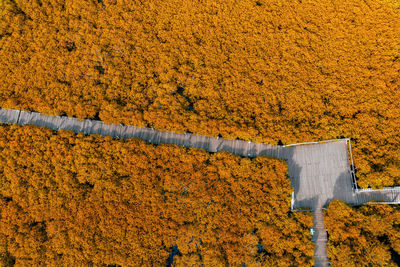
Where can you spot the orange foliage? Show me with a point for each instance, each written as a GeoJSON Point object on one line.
{"type": "Point", "coordinates": [76, 200]}
{"type": "Point", "coordinates": [262, 70]}
{"type": "Point", "coordinates": [363, 236]}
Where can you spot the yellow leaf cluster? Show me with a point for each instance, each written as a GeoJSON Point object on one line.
{"type": "Point", "coordinates": [76, 200]}
{"type": "Point", "coordinates": [265, 71]}
{"type": "Point", "coordinates": [363, 236]}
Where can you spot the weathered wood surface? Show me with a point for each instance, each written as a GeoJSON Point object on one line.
{"type": "Point", "coordinates": [386, 195]}
{"type": "Point", "coordinates": [237, 147]}
{"type": "Point", "coordinates": [9, 115]}
{"type": "Point", "coordinates": [320, 237]}
{"type": "Point", "coordinates": [320, 173]}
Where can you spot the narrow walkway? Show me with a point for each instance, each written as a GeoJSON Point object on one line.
{"type": "Point", "coordinates": [389, 195]}
{"type": "Point", "coordinates": [319, 171]}
{"type": "Point", "coordinates": [237, 147]}
{"type": "Point", "coordinates": [320, 238]}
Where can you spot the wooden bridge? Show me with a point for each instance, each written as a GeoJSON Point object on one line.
{"type": "Point", "coordinates": [319, 171]}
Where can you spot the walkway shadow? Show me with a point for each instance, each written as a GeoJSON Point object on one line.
{"type": "Point", "coordinates": [343, 190]}
{"type": "Point", "coordinates": [294, 171]}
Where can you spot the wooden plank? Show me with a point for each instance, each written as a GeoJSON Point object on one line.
{"type": "Point", "coordinates": [9, 116]}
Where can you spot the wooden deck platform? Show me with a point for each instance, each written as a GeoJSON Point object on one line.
{"type": "Point", "coordinates": [319, 173]}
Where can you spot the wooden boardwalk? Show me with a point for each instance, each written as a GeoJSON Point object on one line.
{"type": "Point", "coordinates": [320, 237]}
{"type": "Point", "coordinates": [319, 171]}
{"type": "Point", "coordinates": [211, 144]}
{"type": "Point", "coordinates": [382, 196]}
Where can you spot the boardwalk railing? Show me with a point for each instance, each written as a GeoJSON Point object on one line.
{"type": "Point", "coordinates": [352, 170]}
{"type": "Point", "coordinates": [316, 142]}
{"type": "Point", "coordinates": [395, 188]}
{"type": "Point", "coordinates": [292, 202]}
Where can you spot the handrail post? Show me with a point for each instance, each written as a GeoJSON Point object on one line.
{"type": "Point", "coordinates": [292, 202]}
